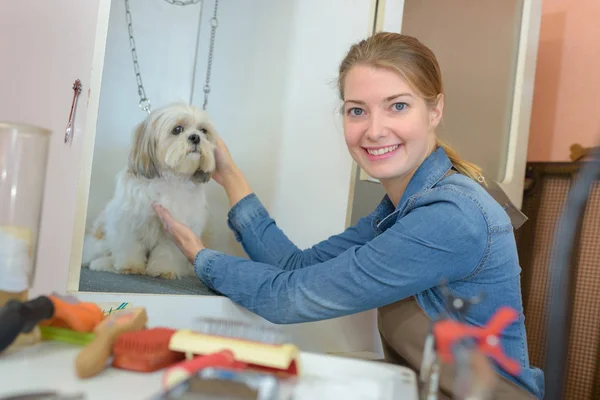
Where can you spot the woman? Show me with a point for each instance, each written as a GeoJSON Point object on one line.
{"type": "Point", "coordinates": [435, 223]}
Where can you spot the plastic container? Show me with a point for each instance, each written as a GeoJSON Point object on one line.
{"type": "Point", "coordinates": [23, 161]}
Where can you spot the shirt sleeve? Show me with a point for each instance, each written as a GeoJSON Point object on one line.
{"type": "Point", "coordinates": [265, 242]}
{"type": "Point", "coordinates": [440, 240]}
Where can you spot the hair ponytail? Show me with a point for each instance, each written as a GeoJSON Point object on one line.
{"type": "Point", "coordinates": [463, 166]}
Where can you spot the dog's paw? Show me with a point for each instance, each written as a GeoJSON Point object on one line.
{"type": "Point", "coordinates": [165, 275]}
{"type": "Point", "coordinates": [102, 264]}
{"type": "Point", "coordinates": [133, 269]}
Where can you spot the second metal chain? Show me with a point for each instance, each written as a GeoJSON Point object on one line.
{"type": "Point", "coordinates": [183, 3]}
{"type": "Point", "coordinates": [144, 102]}
{"type": "Point", "coordinates": [214, 22]}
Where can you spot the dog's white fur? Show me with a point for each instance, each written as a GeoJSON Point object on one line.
{"type": "Point", "coordinates": [164, 167]}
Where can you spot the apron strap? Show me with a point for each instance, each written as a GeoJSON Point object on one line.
{"type": "Point", "coordinates": [517, 218]}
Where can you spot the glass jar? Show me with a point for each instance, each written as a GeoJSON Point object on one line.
{"type": "Point", "coordinates": [23, 162]}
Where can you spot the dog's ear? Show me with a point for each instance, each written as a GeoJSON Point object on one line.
{"type": "Point", "coordinates": [201, 176]}
{"type": "Point", "coordinates": [143, 153]}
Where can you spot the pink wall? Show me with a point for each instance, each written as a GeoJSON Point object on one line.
{"type": "Point", "coordinates": [566, 102]}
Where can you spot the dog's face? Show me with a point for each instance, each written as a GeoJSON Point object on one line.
{"type": "Point", "coordinates": [177, 139]}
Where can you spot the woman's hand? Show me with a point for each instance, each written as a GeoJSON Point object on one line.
{"type": "Point", "coordinates": [182, 235]}
{"type": "Point", "coordinates": [225, 169]}
{"type": "Point", "coordinates": [228, 175]}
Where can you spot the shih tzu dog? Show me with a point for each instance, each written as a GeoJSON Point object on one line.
{"type": "Point", "coordinates": [171, 160]}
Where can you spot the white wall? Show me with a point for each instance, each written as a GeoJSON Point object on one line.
{"type": "Point", "coordinates": [273, 100]}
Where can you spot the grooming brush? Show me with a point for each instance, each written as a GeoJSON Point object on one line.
{"type": "Point", "coordinates": [71, 314]}
{"type": "Point", "coordinates": [262, 348]}
{"type": "Point", "coordinates": [23, 316]}
{"type": "Point", "coordinates": [188, 368]}
{"type": "Point", "coordinates": [92, 359]}
{"type": "Point", "coordinates": [145, 351]}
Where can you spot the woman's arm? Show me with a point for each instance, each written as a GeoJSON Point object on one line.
{"type": "Point", "coordinates": [265, 242]}
{"type": "Point", "coordinates": [446, 239]}
{"type": "Point", "coordinates": [260, 236]}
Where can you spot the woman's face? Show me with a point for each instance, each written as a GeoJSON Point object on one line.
{"type": "Point", "coordinates": [389, 129]}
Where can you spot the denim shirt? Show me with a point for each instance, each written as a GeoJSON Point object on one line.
{"type": "Point", "coordinates": [445, 227]}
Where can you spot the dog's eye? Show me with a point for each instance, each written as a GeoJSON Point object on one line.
{"type": "Point", "coordinates": [177, 130]}
{"type": "Point", "coordinates": [203, 131]}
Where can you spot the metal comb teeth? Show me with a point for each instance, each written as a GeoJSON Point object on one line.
{"type": "Point", "coordinates": [240, 330]}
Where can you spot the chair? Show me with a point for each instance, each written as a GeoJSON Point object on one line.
{"type": "Point", "coordinates": [546, 189]}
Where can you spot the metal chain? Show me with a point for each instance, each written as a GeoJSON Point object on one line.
{"type": "Point", "coordinates": [214, 22]}
{"type": "Point", "coordinates": [183, 3]}
{"type": "Point", "coordinates": [144, 102]}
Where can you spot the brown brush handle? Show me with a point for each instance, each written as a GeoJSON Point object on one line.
{"type": "Point", "coordinates": [92, 359]}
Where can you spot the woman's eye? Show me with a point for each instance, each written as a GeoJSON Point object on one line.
{"type": "Point", "coordinates": [177, 130]}
{"type": "Point", "coordinates": [399, 106]}
{"type": "Point", "coordinates": [355, 111]}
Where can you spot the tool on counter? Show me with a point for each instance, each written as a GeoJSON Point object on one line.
{"type": "Point", "coordinates": [218, 383]}
{"type": "Point", "coordinates": [454, 307]}
{"type": "Point", "coordinates": [232, 345]}
{"type": "Point", "coordinates": [46, 395]}
{"type": "Point", "coordinates": [23, 316]}
{"type": "Point", "coordinates": [453, 340]}
{"type": "Point", "coordinates": [188, 368]}
{"type": "Point", "coordinates": [146, 350]}
{"type": "Point", "coordinates": [448, 333]}
{"type": "Point", "coordinates": [66, 335]}
{"type": "Point", "coordinates": [261, 347]}
{"type": "Point", "coordinates": [92, 359]}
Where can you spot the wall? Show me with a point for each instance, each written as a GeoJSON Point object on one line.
{"type": "Point", "coordinates": [565, 106]}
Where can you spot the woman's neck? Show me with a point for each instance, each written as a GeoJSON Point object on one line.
{"type": "Point", "coordinates": [395, 188]}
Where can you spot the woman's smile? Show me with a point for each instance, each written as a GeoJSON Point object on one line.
{"type": "Point", "coordinates": [382, 152]}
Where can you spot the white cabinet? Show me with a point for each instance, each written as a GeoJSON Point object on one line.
{"type": "Point", "coordinates": [45, 46]}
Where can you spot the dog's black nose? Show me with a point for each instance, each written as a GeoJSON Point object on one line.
{"type": "Point", "coordinates": [194, 138]}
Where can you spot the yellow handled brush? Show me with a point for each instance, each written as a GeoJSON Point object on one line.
{"type": "Point", "coordinates": [92, 359]}
{"type": "Point", "coordinates": [261, 348]}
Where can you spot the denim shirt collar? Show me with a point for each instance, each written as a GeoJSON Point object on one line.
{"type": "Point", "coordinates": [430, 172]}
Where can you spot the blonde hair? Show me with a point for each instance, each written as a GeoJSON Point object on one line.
{"type": "Point", "coordinates": [417, 64]}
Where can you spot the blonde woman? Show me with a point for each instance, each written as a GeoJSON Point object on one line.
{"type": "Point", "coordinates": [436, 222]}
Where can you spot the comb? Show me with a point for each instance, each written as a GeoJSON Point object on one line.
{"type": "Point", "coordinates": [145, 351]}
{"type": "Point", "coordinates": [260, 348]}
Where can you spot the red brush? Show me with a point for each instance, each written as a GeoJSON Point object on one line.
{"type": "Point", "coordinates": [145, 351]}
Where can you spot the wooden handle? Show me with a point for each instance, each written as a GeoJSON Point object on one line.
{"type": "Point", "coordinates": [92, 359]}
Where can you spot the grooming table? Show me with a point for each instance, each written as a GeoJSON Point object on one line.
{"type": "Point", "coordinates": [50, 366]}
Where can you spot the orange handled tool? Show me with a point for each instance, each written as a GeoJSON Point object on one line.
{"type": "Point", "coordinates": [448, 333]}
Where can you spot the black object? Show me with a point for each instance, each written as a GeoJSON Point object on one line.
{"type": "Point", "coordinates": [21, 317]}
{"type": "Point", "coordinates": [560, 285]}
